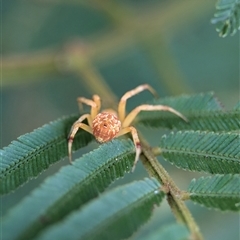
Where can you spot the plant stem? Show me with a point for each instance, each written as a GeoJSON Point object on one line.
{"type": "Point", "coordinates": [174, 194]}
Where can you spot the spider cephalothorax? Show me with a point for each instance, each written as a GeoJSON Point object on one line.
{"type": "Point", "coordinates": [109, 124]}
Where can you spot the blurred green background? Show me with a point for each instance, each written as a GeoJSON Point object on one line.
{"type": "Point", "coordinates": [54, 51]}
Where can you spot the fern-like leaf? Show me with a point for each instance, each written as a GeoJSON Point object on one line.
{"type": "Point", "coordinates": [218, 192]}
{"type": "Point", "coordinates": [203, 111]}
{"type": "Point", "coordinates": [203, 151]}
{"type": "Point", "coordinates": [227, 17]}
{"type": "Point", "coordinates": [33, 152]}
{"type": "Point", "coordinates": [116, 215]}
{"type": "Point", "coordinates": [68, 189]}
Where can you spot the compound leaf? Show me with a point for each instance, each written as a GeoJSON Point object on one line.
{"type": "Point", "coordinates": [203, 151]}
{"type": "Point", "coordinates": [68, 189]}
{"type": "Point", "coordinates": [218, 192]}
{"type": "Point", "coordinates": [116, 215]}
{"type": "Point", "coordinates": [34, 152]}
{"type": "Point", "coordinates": [227, 17]}
{"type": "Point", "coordinates": [31, 153]}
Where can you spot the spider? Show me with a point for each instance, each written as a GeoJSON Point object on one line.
{"type": "Point", "coordinates": [109, 124]}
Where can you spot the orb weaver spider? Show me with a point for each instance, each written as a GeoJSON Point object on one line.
{"type": "Point", "coordinates": [109, 124]}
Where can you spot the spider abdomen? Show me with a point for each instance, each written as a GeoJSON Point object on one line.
{"type": "Point", "coordinates": [105, 126]}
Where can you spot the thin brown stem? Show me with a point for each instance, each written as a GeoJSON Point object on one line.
{"type": "Point", "coordinates": [175, 196]}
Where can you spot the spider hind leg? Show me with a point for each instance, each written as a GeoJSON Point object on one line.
{"type": "Point", "coordinates": [94, 103]}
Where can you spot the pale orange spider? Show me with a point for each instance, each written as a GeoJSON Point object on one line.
{"type": "Point", "coordinates": [109, 124]}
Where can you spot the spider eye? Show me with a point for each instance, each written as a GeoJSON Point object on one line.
{"type": "Point", "coordinates": [105, 125]}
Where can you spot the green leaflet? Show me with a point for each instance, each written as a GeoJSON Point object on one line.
{"type": "Point", "coordinates": [116, 215]}
{"type": "Point", "coordinates": [68, 189]}
{"type": "Point", "coordinates": [203, 112]}
{"type": "Point", "coordinates": [33, 152]}
{"type": "Point", "coordinates": [227, 17]}
{"type": "Point", "coordinates": [203, 151]}
{"type": "Point", "coordinates": [219, 192]}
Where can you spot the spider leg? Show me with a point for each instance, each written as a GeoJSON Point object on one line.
{"type": "Point", "coordinates": [135, 140]}
{"type": "Point", "coordinates": [94, 103]}
{"type": "Point", "coordinates": [129, 94]}
{"type": "Point", "coordinates": [97, 100]}
{"type": "Point", "coordinates": [78, 124]}
{"type": "Point", "coordinates": [131, 116]}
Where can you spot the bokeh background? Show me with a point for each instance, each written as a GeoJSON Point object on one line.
{"type": "Point", "coordinates": [54, 51]}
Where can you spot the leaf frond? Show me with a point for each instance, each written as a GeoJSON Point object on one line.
{"type": "Point", "coordinates": [219, 192]}
{"type": "Point", "coordinates": [203, 151]}
{"type": "Point", "coordinates": [34, 152]}
{"type": "Point", "coordinates": [203, 112]}
{"type": "Point", "coordinates": [227, 17]}
{"type": "Point", "coordinates": [68, 189]}
{"type": "Point", "coordinates": [116, 215]}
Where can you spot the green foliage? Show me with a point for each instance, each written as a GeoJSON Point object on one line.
{"type": "Point", "coordinates": [227, 17]}
{"type": "Point", "coordinates": [125, 207]}
{"type": "Point", "coordinates": [66, 49]}
{"type": "Point", "coordinates": [220, 192]}
{"type": "Point", "coordinates": [63, 205]}
{"type": "Point", "coordinates": [203, 112]}
{"type": "Point", "coordinates": [70, 188]}
{"type": "Point", "coordinates": [33, 152]}
{"type": "Point", "coordinates": [203, 151]}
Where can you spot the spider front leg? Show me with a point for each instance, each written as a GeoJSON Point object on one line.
{"type": "Point", "coordinates": [132, 115]}
{"type": "Point", "coordinates": [78, 124]}
{"type": "Point", "coordinates": [129, 94]}
{"type": "Point", "coordinates": [135, 140]}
